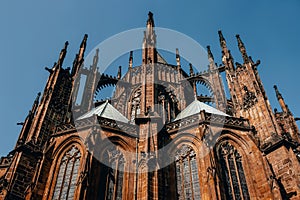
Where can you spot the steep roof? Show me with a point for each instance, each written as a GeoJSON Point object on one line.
{"type": "Point", "coordinates": [195, 107]}
{"type": "Point", "coordinates": [106, 110]}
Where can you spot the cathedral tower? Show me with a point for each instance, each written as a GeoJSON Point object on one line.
{"type": "Point", "coordinates": [157, 137]}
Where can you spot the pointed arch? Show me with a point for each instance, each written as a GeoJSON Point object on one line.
{"type": "Point", "coordinates": [115, 174]}
{"type": "Point", "coordinates": [187, 177]}
{"type": "Point", "coordinates": [69, 154]}
{"type": "Point", "coordinates": [67, 173]}
{"type": "Point", "coordinates": [231, 168]}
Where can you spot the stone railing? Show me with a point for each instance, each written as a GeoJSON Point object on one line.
{"type": "Point", "coordinates": [100, 121]}
{"type": "Point", "coordinates": [208, 118]}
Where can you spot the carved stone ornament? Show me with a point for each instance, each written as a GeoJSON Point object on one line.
{"type": "Point", "coordinates": [249, 99]}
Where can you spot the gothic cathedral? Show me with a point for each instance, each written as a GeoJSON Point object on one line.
{"type": "Point", "coordinates": [157, 137]}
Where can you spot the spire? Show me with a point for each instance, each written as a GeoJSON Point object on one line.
{"type": "Point", "coordinates": [96, 58]}
{"type": "Point", "coordinates": [150, 33]}
{"type": "Point", "coordinates": [62, 54]}
{"type": "Point", "coordinates": [150, 21]}
{"type": "Point", "coordinates": [149, 42]}
{"type": "Point", "coordinates": [278, 94]}
{"type": "Point", "coordinates": [119, 72]}
{"type": "Point", "coordinates": [210, 58]}
{"type": "Point", "coordinates": [82, 47]}
{"type": "Point", "coordinates": [281, 101]}
{"type": "Point", "coordinates": [80, 56]}
{"type": "Point", "coordinates": [225, 52]}
{"type": "Point", "coordinates": [242, 49]}
{"type": "Point", "coordinates": [210, 55]}
{"type": "Point", "coordinates": [36, 103]}
{"type": "Point", "coordinates": [222, 40]}
{"type": "Point", "coordinates": [130, 59]}
{"type": "Point", "coordinates": [178, 58]}
{"type": "Point", "coordinates": [226, 55]}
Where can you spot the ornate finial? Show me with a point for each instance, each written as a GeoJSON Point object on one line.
{"type": "Point", "coordinates": [210, 59]}
{"type": "Point", "coordinates": [130, 59]}
{"type": "Point", "coordinates": [178, 58]}
{"type": "Point", "coordinates": [83, 43]}
{"type": "Point", "coordinates": [210, 55]}
{"type": "Point", "coordinates": [177, 53]}
{"type": "Point", "coordinates": [36, 103]}
{"type": "Point", "coordinates": [80, 56]}
{"type": "Point", "coordinates": [96, 58]}
{"type": "Point", "coordinates": [62, 55]}
{"type": "Point", "coordinates": [191, 70]}
{"type": "Point", "coordinates": [240, 42]}
{"type": "Point", "coordinates": [119, 72]}
{"type": "Point", "coordinates": [150, 19]}
{"type": "Point", "coordinates": [222, 39]}
{"type": "Point", "coordinates": [281, 101]}
{"type": "Point", "coordinates": [37, 97]}
{"type": "Point", "coordinates": [278, 95]}
{"type": "Point", "coordinates": [66, 45]}
{"type": "Point", "coordinates": [149, 42]}
{"type": "Point", "coordinates": [82, 48]}
{"type": "Point", "coordinates": [242, 48]}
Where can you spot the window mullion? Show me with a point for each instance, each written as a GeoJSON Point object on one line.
{"type": "Point", "coordinates": [64, 177]}
{"type": "Point", "coordinates": [191, 179]}
{"type": "Point", "coordinates": [71, 175]}
{"type": "Point", "coordinates": [116, 179]}
{"type": "Point", "coordinates": [229, 174]}
{"type": "Point", "coordinates": [238, 176]}
{"type": "Point", "coordinates": [182, 178]}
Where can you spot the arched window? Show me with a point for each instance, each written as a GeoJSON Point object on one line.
{"type": "Point", "coordinates": [234, 180]}
{"type": "Point", "coordinates": [115, 175]}
{"type": "Point", "coordinates": [168, 104]}
{"type": "Point", "coordinates": [187, 177]}
{"type": "Point", "coordinates": [67, 175]}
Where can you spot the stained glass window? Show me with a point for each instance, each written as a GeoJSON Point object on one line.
{"type": "Point", "coordinates": [187, 177]}
{"type": "Point", "coordinates": [115, 176]}
{"type": "Point", "coordinates": [235, 185]}
{"type": "Point", "coordinates": [67, 175]}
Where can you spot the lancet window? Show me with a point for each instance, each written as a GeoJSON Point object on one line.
{"type": "Point", "coordinates": [235, 185]}
{"type": "Point", "coordinates": [187, 177]}
{"type": "Point", "coordinates": [67, 175]}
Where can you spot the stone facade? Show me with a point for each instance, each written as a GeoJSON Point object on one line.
{"type": "Point", "coordinates": [250, 152]}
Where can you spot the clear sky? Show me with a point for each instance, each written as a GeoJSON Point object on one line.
{"type": "Point", "coordinates": [33, 32]}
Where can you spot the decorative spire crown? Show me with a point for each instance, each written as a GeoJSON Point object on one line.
{"type": "Point", "coordinates": [62, 54]}
{"type": "Point", "coordinates": [242, 48]}
{"type": "Point", "coordinates": [150, 20]}
{"type": "Point", "coordinates": [222, 39]}
{"type": "Point", "coordinates": [96, 58]}
{"type": "Point", "coordinates": [278, 94]}
{"type": "Point", "coordinates": [209, 53]}
{"type": "Point", "coordinates": [130, 59]}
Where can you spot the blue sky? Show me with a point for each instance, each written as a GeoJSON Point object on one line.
{"type": "Point", "coordinates": [33, 32]}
